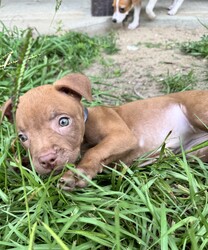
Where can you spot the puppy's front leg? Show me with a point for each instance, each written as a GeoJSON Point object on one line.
{"type": "Point", "coordinates": [111, 148]}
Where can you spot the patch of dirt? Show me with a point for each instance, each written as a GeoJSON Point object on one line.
{"type": "Point", "coordinates": [146, 55]}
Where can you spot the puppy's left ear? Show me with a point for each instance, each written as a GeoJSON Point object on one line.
{"type": "Point", "coordinates": [75, 84]}
{"type": "Point", "coordinates": [6, 111]}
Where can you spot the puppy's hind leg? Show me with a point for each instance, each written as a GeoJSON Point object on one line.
{"type": "Point", "coordinates": [149, 9]}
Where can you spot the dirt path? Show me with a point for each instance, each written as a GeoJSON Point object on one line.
{"type": "Point", "coordinates": [146, 55]}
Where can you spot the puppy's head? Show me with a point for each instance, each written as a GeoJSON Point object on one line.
{"type": "Point", "coordinates": [50, 122]}
{"type": "Point", "coordinates": [121, 10]}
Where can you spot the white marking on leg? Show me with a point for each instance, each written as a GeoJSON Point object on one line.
{"type": "Point", "coordinates": [135, 23]}
{"type": "Point", "coordinates": [173, 3]}
{"type": "Point", "coordinates": [149, 9]}
{"type": "Point", "coordinates": [176, 5]}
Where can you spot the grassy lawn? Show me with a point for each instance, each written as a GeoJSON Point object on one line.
{"type": "Point", "coordinates": [160, 206]}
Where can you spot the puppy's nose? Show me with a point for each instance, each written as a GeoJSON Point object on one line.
{"type": "Point", "coordinates": [48, 160]}
{"type": "Point", "coordinates": [114, 20]}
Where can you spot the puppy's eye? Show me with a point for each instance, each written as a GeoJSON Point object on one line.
{"type": "Point", "coordinates": [22, 137]}
{"type": "Point", "coordinates": [64, 121]}
{"type": "Point", "coordinates": [122, 10]}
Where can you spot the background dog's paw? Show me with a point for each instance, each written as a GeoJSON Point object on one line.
{"type": "Point", "coordinates": [150, 14]}
{"type": "Point", "coordinates": [133, 25]}
{"type": "Point", "coordinates": [172, 12]}
{"type": "Point", "coordinates": [69, 181]}
{"type": "Point", "coordinates": [170, 7]}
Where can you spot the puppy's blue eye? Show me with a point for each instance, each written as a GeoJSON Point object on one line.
{"type": "Point", "coordinates": [22, 137]}
{"type": "Point", "coordinates": [64, 121]}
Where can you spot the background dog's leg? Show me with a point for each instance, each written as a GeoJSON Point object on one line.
{"type": "Point", "coordinates": [174, 7]}
{"type": "Point", "coordinates": [135, 23]}
{"type": "Point", "coordinates": [172, 4]}
{"type": "Point", "coordinates": [149, 9]}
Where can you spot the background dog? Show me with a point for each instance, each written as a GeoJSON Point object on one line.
{"type": "Point", "coordinates": [123, 7]}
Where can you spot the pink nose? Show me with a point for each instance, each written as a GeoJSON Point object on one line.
{"type": "Point", "coordinates": [48, 160]}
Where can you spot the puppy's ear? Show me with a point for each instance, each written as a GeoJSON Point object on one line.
{"type": "Point", "coordinates": [6, 111]}
{"type": "Point", "coordinates": [75, 84]}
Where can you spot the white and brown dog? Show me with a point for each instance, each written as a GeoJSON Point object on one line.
{"type": "Point", "coordinates": [123, 7]}
{"type": "Point", "coordinates": [173, 8]}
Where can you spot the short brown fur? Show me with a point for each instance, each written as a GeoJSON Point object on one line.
{"type": "Point", "coordinates": [51, 119]}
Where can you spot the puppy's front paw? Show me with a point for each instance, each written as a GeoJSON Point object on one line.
{"type": "Point", "coordinates": [133, 25]}
{"type": "Point", "coordinates": [69, 181]}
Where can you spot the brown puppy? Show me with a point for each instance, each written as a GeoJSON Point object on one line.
{"type": "Point", "coordinates": [53, 124]}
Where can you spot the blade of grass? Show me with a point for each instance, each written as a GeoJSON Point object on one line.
{"type": "Point", "coordinates": [163, 233]}
{"type": "Point", "coordinates": [117, 228]}
{"type": "Point", "coordinates": [56, 237]}
{"type": "Point", "coordinates": [32, 237]}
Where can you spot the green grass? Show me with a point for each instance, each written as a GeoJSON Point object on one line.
{"type": "Point", "coordinates": [163, 206]}
{"type": "Point", "coordinates": [186, 81]}
{"type": "Point", "coordinates": [160, 206]}
{"type": "Point", "coordinates": [178, 82]}
{"type": "Point", "coordinates": [50, 57]}
{"type": "Point", "coordinates": [196, 48]}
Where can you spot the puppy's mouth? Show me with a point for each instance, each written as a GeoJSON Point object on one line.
{"type": "Point", "coordinates": [46, 172]}
{"type": "Point", "coordinates": [55, 165]}
{"type": "Point", "coordinates": [53, 169]}
{"type": "Point", "coordinates": [60, 169]}
{"type": "Point", "coordinates": [57, 171]}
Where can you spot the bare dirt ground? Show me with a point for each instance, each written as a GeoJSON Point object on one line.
{"type": "Point", "coordinates": [147, 55]}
